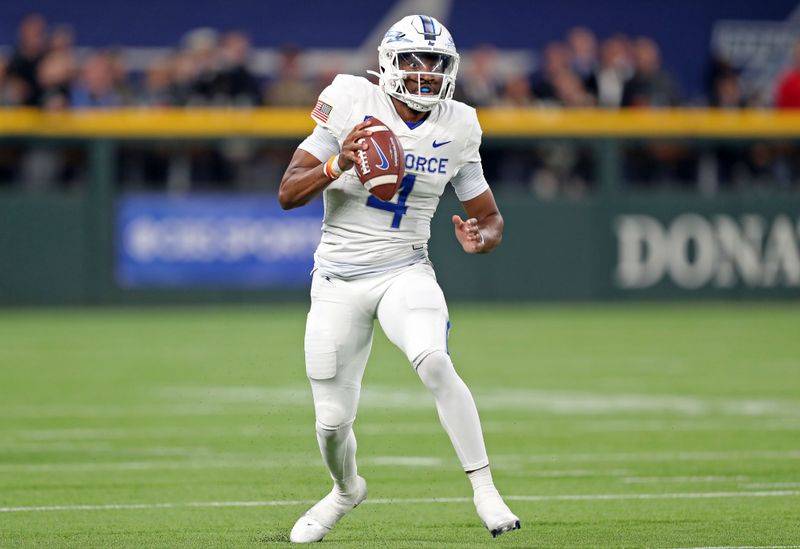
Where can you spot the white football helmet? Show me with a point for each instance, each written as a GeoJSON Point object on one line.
{"type": "Point", "coordinates": [424, 47]}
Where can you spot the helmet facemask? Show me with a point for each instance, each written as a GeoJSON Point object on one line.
{"type": "Point", "coordinates": [408, 69]}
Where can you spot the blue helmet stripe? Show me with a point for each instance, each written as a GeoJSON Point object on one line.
{"type": "Point", "coordinates": [428, 28]}
{"type": "Point", "coordinates": [424, 24]}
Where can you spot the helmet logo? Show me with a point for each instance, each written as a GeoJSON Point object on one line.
{"type": "Point", "coordinates": [395, 36]}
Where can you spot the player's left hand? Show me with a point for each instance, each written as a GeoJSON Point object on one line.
{"type": "Point", "coordinates": [469, 234]}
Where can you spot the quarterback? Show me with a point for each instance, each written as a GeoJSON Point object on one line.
{"type": "Point", "coordinates": [372, 261]}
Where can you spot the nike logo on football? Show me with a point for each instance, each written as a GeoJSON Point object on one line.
{"type": "Point", "coordinates": [437, 145]}
{"type": "Point", "coordinates": [384, 160]}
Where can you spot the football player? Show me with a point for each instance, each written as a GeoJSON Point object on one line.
{"type": "Point", "coordinates": [372, 260]}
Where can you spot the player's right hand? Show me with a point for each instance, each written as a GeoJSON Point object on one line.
{"type": "Point", "coordinates": [351, 146]}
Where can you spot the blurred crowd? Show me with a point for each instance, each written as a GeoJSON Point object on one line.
{"type": "Point", "coordinates": [211, 68]}
{"type": "Point", "coordinates": [46, 69]}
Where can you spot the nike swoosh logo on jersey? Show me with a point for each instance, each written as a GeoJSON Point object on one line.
{"type": "Point", "coordinates": [437, 145]}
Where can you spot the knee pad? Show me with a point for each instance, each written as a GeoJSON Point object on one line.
{"type": "Point", "coordinates": [331, 417]}
{"type": "Point", "coordinates": [436, 370]}
{"type": "Point", "coordinates": [334, 404]}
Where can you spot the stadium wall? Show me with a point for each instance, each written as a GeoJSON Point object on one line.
{"type": "Point", "coordinates": [667, 248]}
{"type": "Point", "coordinates": [71, 248]}
{"type": "Point", "coordinates": [638, 248]}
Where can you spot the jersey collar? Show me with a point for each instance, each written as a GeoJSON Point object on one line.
{"type": "Point", "coordinates": [418, 123]}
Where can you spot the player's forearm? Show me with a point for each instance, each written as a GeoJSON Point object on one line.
{"type": "Point", "coordinates": [491, 228]}
{"type": "Point", "coordinates": [300, 185]}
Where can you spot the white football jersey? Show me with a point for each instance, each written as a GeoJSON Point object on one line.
{"type": "Point", "coordinates": [361, 234]}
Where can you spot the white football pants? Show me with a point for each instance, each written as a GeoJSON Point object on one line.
{"type": "Point", "coordinates": [412, 311]}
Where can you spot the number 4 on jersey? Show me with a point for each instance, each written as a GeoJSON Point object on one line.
{"type": "Point", "coordinates": [399, 208]}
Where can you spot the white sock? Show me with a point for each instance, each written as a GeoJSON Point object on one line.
{"type": "Point", "coordinates": [481, 478]}
{"type": "Point", "coordinates": [456, 408]}
{"type": "Point", "coordinates": [338, 448]}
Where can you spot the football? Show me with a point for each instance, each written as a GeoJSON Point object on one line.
{"type": "Point", "coordinates": [381, 166]}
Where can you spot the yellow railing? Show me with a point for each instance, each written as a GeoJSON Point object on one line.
{"type": "Point", "coordinates": [496, 122]}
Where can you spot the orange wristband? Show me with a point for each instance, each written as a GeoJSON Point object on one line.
{"type": "Point", "coordinates": [331, 167]}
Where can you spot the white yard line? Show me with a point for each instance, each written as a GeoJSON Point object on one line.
{"type": "Point", "coordinates": [566, 473]}
{"type": "Point", "coordinates": [653, 456]}
{"type": "Point", "coordinates": [742, 547]}
{"type": "Point", "coordinates": [674, 424]}
{"type": "Point", "coordinates": [611, 424]}
{"type": "Point", "coordinates": [506, 462]}
{"type": "Point", "coordinates": [234, 462]}
{"type": "Point", "coordinates": [400, 501]}
{"type": "Point", "coordinates": [204, 400]}
{"type": "Point", "coordinates": [677, 495]}
{"type": "Point", "coordinates": [771, 485]}
{"type": "Point", "coordinates": [404, 461]}
{"type": "Point", "coordinates": [161, 465]}
{"type": "Point", "coordinates": [659, 480]}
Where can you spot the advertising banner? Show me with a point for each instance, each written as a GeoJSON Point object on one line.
{"type": "Point", "coordinates": [692, 251]}
{"type": "Point", "coordinates": [244, 241]}
{"type": "Point", "coordinates": [651, 247]}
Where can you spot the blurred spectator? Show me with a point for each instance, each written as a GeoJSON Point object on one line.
{"type": "Point", "coordinates": [24, 64]}
{"type": "Point", "coordinates": [788, 90]}
{"type": "Point", "coordinates": [557, 83]}
{"type": "Point", "coordinates": [722, 164]}
{"type": "Point", "coordinates": [516, 92]}
{"type": "Point", "coordinates": [96, 85]}
{"type": "Point", "coordinates": [200, 64]}
{"type": "Point", "coordinates": [570, 91]}
{"type": "Point", "coordinates": [480, 83]}
{"type": "Point", "coordinates": [650, 85]}
{"type": "Point", "coordinates": [234, 84]}
{"type": "Point", "coordinates": [58, 68]}
{"type": "Point", "coordinates": [184, 71]}
{"type": "Point", "coordinates": [727, 94]}
{"type": "Point", "coordinates": [43, 166]}
{"type": "Point", "coordinates": [62, 40]}
{"type": "Point", "coordinates": [4, 82]}
{"type": "Point", "coordinates": [290, 89]}
{"type": "Point", "coordinates": [608, 81]}
{"type": "Point", "coordinates": [158, 84]}
{"type": "Point", "coordinates": [719, 68]}
{"type": "Point", "coordinates": [13, 89]}
{"type": "Point", "coordinates": [120, 77]}
{"type": "Point", "coordinates": [661, 164]}
{"type": "Point", "coordinates": [556, 60]}
{"type": "Point", "coordinates": [55, 75]}
{"type": "Point", "coordinates": [583, 49]}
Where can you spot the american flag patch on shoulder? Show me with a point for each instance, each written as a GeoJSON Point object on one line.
{"type": "Point", "coordinates": [321, 111]}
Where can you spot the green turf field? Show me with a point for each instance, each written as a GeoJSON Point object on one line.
{"type": "Point", "coordinates": [608, 426]}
